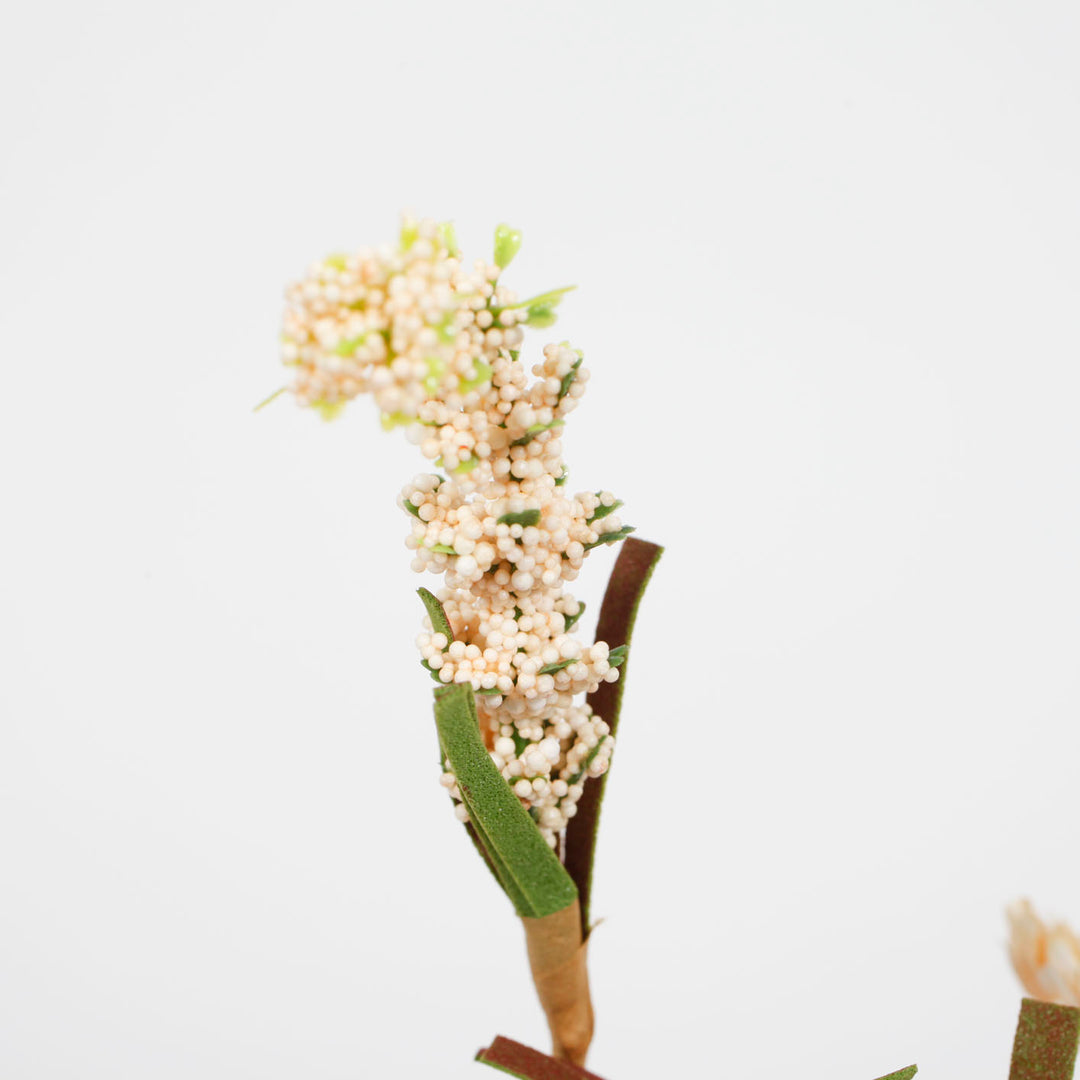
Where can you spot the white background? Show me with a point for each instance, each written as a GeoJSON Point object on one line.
{"type": "Point", "coordinates": [827, 267]}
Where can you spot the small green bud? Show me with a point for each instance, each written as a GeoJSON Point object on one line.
{"type": "Point", "coordinates": [448, 238]}
{"type": "Point", "coordinates": [410, 232]}
{"type": "Point", "coordinates": [507, 245]}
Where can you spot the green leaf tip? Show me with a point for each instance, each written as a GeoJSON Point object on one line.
{"type": "Point", "coordinates": [410, 232]}
{"type": "Point", "coordinates": [528, 870]}
{"type": "Point", "coordinates": [617, 656]}
{"type": "Point", "coordinates": [603, 511]}
{"type": "Point", "coordinates": [1046, 1041]}
{"type": "Point", "coordinates": [440, 624]}
{"type": "Point", "coordinates": [523, 517]}
{"type": "Point", "coordinates": [550, 669]}
{"type": "Point", "coordinates": [537, 429]}
{"type": "Point", "coordinates": [507, 245]}
{"type": "Point", "coordinates": [569, 377]}
{"type": "Point", "coordinates": [448, 238]}
{"type": "Point", "coordinates": [571, 620]}
{"type": "Point", "coordinates": [611, 537]}
{"type": "Point", "coordinates": [901, 1074]}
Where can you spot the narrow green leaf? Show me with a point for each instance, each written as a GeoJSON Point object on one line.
{"type": "Point", "coordinates": [535, 880]}
{"type": "Point", "coordinates": [535, 430]}
{"type": "Point", "coordinates": [411, 507]}
{"type": "Point", "coordinates": [524, 517]}
{"type": "Point", "coordinates": [551, 298]}
{"type": "Point", "coordinates": [569, 377]}
{"type": "Point", "coordinates": [617, 656]}
{"type": "Point", "coordinates": [550, 669]}
{"type": "Point", "coordinates": [611, 537]}
{"type": "Point", "coordinates": [901, 1074]}
{"type": "Point", "coordinates": [563, 477]}
{"type": "Point", "coordinates": [488, 691]}
{"type": "Point", "coordinates": [570, 620]}
{"type": "Point", "coordinates": [603, 511]}
{"type": "Point", "coordinates": [443, 549]}
{"type": "Point", "coordinates": [273, 397]}
{"type": "Point", "coordinates": [440, 624]}
{"type": "Point", "coordinates": [431, 671]}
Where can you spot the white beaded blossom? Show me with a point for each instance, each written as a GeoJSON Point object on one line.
{"type": "Point", "coordinates": [437, 347]}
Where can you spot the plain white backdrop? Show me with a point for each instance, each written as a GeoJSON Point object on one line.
{"type": "Point", "coordinates": [827, 258]}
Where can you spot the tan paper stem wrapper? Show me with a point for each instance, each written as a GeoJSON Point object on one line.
{"type": "Point", "coordinates": [559, 970]}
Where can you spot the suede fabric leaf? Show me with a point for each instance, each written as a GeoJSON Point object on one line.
{"type": "Point", "coordinates": [901, 1074]}
{"type": "Point", "coordinates": [634, 567]}
{"type": "Point", "coordinates": [1046, 1041]}
{"type": "Point", "coordinates": [440, 624]}
{"type": "Point", "coordinates": [530, 872]}
{"type": "Point", "coordinates": [603, 511]}
{"type": "Point", "coordinates": [528, 1064]}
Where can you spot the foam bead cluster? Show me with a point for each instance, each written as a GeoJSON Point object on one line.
{"type": "Point", "coordinates": [437, 345]}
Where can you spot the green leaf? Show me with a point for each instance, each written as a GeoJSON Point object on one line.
{"type": "Point", "coordinates": [389, 421]}
{"type": "Point", "coordinates": [569, 377]}
{"type": "Point", "coordinates": [507, 245]}
{"type": "Point", "coordinates": [611, 537]}
{"type": "Point", "coordinates": [410, 233]}
{"type": "Point", "coordinates": [536, 429]}
{"type": "Point", "coordinates": [541, 316]}
{"type": "Point", "coordinates": [328, 410]}
{"type": "Point", "coordinates": [550, 669]}
{"type": "Point", "coordinates": [273, 397]}
{"type": "Point", "coordinates": [434, 674]}
{"type": "Point", "coordinates": [483, 375]}
{"type": "Point", "coordinates": [440, 624]}
{"type": "Point", "coordinates": [448, 238]}
{"type": "Point", "coordinates": [563, 477]}
{"type": "Point", "coordinates": [902, 1074]}
{"type": "Point", "coordinates": [570, 620]}
{"type": "Point", "coordinates": [411, 507]}
{"type": "Point", "coordinates": [349, 345]}
{"type": "Point", "coordinates": [523, 517]}
{"type": "Point", "coordinates": [551, 298]}
{"type": "Point", "coordinates": [603, 511]}
{"type": "Point", "coordinates": [336, 262]}
{"type": "Point", "coordinates": [488, 691]}
{"type": "Point", "coordinates": [617, 656]}
{"type": "Point", "coordinates": [529, 870]}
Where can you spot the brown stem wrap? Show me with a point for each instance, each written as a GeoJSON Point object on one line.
{"type": "Point", "coordinates": [561, 975]}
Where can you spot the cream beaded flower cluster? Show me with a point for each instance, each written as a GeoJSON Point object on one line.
{"type": "Point", "coordinates": [437, 346]}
